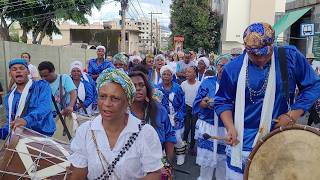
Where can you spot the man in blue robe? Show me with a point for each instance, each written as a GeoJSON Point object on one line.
{"type": "Point", "coordinates": [251, 94]}
{"type": "Point", "coordinates": [27, 104]}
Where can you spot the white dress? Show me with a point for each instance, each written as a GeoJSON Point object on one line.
{"type": "Point", "coordinates": [144, 155]}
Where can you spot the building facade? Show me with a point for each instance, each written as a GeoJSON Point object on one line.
{"type": "Point", "coordinates": [306, 44]}
{"type": "Point", "coordinates": [237, 15]}
{"type": "Point", "coordinates": [144, 26]}
{"type": "Point", "coordinates": [98, 33]}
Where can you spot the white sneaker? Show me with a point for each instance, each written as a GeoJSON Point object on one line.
{"type": "Point", "coordinates": [180, 159]}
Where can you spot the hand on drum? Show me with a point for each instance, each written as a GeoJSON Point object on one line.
{"type": "Point", "coordinates": [67, 111]}
{"type": "Point", "coordinates": [18, 122]}
{"type": "Point", "coordinates": [284, 120]}
{"type": "Point", "coordinates": [232, 136]}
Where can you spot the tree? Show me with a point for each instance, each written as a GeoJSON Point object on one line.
{"type": "Point", "coordinates": [199, 25]}
{"type": "Point", "coordinates": [41, 17]}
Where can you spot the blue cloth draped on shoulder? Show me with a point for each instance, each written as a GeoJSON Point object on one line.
{"type": "Point", "coordinates": [164, 128]}
{"type": "Point", "coordinates": [299, 73]}
{"type": "Point", "coordinates": [206, 89]}
{"type": "Point", "coordinates": [178, 103]}
{"type": "Point", "coordinates": [89, 94]}
{"type": "Point", "coordinates": [38, 113]}
{"type": "Point", "coordinates": [89, 79]}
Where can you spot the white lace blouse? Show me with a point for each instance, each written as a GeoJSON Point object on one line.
{"type": "Point", "coordinates": [143, 156]}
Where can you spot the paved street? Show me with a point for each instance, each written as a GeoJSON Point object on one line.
{"type": "Point", "coordinates": [190, 166]}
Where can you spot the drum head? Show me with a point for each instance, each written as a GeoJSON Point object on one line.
{"type": "Point", "coordinates": [291, 154]}
{"type": "Point", "coordinates": [30, 155]}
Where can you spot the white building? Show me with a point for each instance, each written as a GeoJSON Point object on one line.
{"type": "Point", "coordinates": [237, 15]}
{"type": "Point", "coordinates": [144, 26]}
{"type": "Point", "coordinates": [164, 39]}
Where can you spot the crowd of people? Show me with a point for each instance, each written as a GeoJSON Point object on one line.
{"type": "Point", "coordinates": [149, 110]}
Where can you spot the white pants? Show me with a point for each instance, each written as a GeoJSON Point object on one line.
{"type": "Point", "coordinates": [233, 175]}
{"type": "Point", "coordinates": [206, 172]}
{"type": "Point", "coordinates": [179, 135]}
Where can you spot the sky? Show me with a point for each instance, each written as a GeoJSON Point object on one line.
{"type": "Point", "coordinates": [110, 10]}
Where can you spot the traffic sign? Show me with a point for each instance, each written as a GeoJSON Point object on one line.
{"type": "Point", "coordinates": [306, 29]}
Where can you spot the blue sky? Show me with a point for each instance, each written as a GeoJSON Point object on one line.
{"type": "Point", "coordinates": [110, 10]}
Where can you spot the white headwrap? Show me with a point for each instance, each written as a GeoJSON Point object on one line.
{"type": "Point", "coordinates": [76, 64]}
{"type": "Point", "coordinates": [159, 56]}
{"type": "Point", "coordinates": [165, 68]}
{"type": "Point", "coordinates": [205, 60]}
{"type": "Point", "coordinates": [135, 57]}
{"type": "Point", "coordinates": [101, 47]}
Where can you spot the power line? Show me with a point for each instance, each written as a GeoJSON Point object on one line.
{"type": "Point", "coordinates": [141, 9]}
{"type": "Point", "coordinates": [33, 7]}
{"type": "Point", "coordinates": [134, 13]}
{"type": "Point", "coordinates": [130, 14]}
{"type": "Point", "coordinates": [134, 8]}
{"type": "Point", "coordinates": [38, 16]}
{"type": "Point", "coordinates": [13, 4]}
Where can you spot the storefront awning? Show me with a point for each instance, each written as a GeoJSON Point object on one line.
{"type": "Point", "coordinates": [288, 19]}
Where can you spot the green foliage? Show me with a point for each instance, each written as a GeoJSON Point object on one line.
{"type": "Point", "coordinates": [42, 16]}
{"type": "Point", "coordinates": [199, 25]}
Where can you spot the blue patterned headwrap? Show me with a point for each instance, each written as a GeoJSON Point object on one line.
{"type": "Point", "coordinates": [120, 77]}
{"type": "Point", "coordinates": [18, 61]}
{"type": "Point", "coordinates": [259, 38]}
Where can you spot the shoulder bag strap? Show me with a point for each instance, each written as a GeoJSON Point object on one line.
{"type": "Point", "coordinates": [284, 72]}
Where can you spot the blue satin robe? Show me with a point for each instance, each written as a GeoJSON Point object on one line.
{"type": "Point", "coordinates": [178, 103]}
{"type": "Point", "coordinates": [300, 74]}
{"type": "Point", "coordinates": [89, 94]}
{"type": "Point", "coordinates": [38, 114]}
{"type": "Point", "coordinates": [164, 128]}
{"type": "Point", "coordinates": [94, 68]}
{"type": "Point", "coordinates": [207, 89]}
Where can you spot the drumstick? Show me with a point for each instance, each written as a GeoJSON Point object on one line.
{"type": "Point", "coordinates": [207, 136]}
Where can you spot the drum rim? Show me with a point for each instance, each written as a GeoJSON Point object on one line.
{"type": "Point", "coordinates": [272, 133]}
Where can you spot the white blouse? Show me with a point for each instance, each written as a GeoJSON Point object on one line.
{"type": "Point", "coordinates": [143, 156]}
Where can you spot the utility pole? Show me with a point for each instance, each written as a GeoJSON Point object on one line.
{"type": "Point", "coordinates": [151, 34]}
{"type": "Point", "coordinates": [124, 6]}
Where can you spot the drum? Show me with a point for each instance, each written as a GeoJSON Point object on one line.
{"type": "Point", "coordinates": [79, 118]}
{"type": "Point", "coordinates": [286, 153]}
{"type": "Point", "coordinates": [30, 155]}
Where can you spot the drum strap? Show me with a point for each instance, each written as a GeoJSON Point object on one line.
{"type": "Point", "coordinates": [106, 174]}
{"type": "Point", "coordinates": [82, 105]}
{"type": "Point", "coordinates": [284, 72]}
{"type": "Point", "coordinates": [63, 122]}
